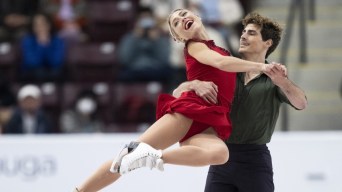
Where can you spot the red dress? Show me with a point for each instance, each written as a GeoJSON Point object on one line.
{"type": "Point", "coordinates": [203, 114]}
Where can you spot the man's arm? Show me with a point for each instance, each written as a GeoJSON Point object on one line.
{"type": "Point", "coordinates": [294, 94]}
{"type": "Point", "coordinates": [205, 89]}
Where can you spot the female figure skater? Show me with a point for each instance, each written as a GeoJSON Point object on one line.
{"type": "Point", "coordinates": [197, 125]}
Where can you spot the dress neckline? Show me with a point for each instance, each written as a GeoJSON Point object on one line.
{"type": "Point", "coordinates": [210, 41]}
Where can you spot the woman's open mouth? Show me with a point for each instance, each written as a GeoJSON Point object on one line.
{"type": "Point", "coordinates": [188, 24]}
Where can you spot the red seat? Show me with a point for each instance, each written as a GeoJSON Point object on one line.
{"type": "Point", "coordinates": [134, 104]}
{"type": "Point", "coordinates": [148, 91]}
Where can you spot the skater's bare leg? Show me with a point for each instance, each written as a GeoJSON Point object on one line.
{"type": "Point", "coordinates": [204, 149]}
{"type": "Point", "coordinates": [100, 179]}
{"type": "Point", "coordinates": [199, 150]}
{"type": "Point", "coordinates": [163, 133]}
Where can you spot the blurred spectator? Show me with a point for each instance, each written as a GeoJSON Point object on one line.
{"type": "Point", "coordinates": [83, 118]}
{"type": "Point", "coordinates": [28, 117]}
{"type": "Point", "coordinates": [7, 102]}
{"type": "Point", "coordinates": [69, 18]}
{"type": "Point", "coordinates": [144, 52]}
{"type": "Point", "coordinates": [162, 9]}
{"type": "Point", "coordinates": [222, 15]}
{"type": "Point", "coordinates": [15, 16]}
{"type": "Point", "coordinates": [43, 51]}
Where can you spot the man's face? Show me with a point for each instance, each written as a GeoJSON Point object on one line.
{"type": "Point", "coordinates": [30, 104]}
{"type": "Point", "coordinates": [251, 41]}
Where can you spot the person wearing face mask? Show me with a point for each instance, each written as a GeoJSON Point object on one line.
{"type": "Point", "coordinates": [144, 52]}
{"type": "Point", "coordinates": [199, 127]}
{"type": "Point", "coordinates": [83, 117]}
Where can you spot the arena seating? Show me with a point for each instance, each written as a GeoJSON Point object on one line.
{"type": "Point", "coordinates": [110, 20]}
{"type": "Point", "coordinates": [9, 60]}
{"type": "Point", "coordinates": [92, 62]}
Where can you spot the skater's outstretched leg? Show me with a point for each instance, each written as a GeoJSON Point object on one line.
{"type": "Point", "coordinates": [200, 150]}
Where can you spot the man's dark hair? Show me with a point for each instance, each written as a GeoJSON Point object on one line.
{"type": "Point", "coordinates": [269, 29]}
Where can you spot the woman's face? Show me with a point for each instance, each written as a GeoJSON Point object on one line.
{"type": "Point", "coordinates": [40, 24]}
{"type": "Point", "coordinates": [184, 24]}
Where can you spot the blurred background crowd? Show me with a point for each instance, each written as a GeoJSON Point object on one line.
{"type": "Point", "coordinates": [82, 66]}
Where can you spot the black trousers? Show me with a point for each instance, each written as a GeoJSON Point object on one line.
{"type": "Point", "coordinates": [249, 169]}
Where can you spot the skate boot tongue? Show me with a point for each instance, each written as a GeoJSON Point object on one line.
{"type": "Point", "coordinates": [115, 167]}
{"type": "Point", "coordinates": [141, 155]}
{"type": "Point", "coordinates": [132, 146]}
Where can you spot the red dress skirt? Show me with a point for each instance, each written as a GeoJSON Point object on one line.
{"type": "Point", "coordinates": [203, 114]}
